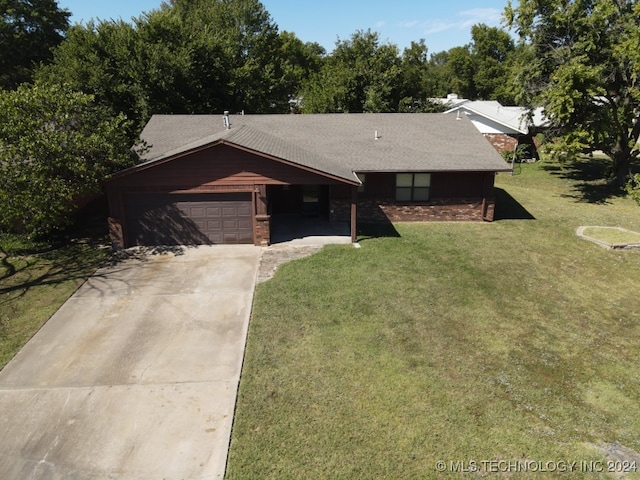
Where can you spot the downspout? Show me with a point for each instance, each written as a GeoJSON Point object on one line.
{"type": "Point", "coordinates": [354, 203]}
{"type": "Point", "coordinates": [484, 199]}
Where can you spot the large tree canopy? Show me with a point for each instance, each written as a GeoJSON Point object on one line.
{"type": "Point", "coordinates": [56, 147]}
{"type": "Point", "coordinates": [360, 75]}
{"type": "Point", "coordinates": [28, 31]}
{"type": "Point", "coordinates": [492, 49]}
{"type": "Point", "coordinates": [195, 56]}
{"type": "Point", "coordinates": [583, 68]}
{"type": "Point", "coordinates": [477, 71]}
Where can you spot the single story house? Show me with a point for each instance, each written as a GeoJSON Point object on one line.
{"type": "Point", "coordinates": [504, 127]}
{"type": "Point", "coordinates": [209, 179]}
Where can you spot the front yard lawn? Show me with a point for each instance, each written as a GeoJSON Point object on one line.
{"type": "Point", "coordinates": [513, 341]}
{"type": "Point", "coordinates": [35, 280]}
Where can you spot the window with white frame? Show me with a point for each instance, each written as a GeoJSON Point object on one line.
{"type": "Point", "coordinates": [412, 187]}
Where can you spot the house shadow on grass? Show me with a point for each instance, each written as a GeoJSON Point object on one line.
{"type": "Point", "coordinates": [588, 179]}
{"type": "Point", "coordinates": [381, 229]}
{"type": "Point", "coordinates": [508, 208]}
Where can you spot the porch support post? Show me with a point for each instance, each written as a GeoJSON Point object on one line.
{"type": "Point", "coordinates": [261, 199]}
{"type": "Point", "coordinates": [354, 203]}
{"type": "Point", "coordinates": [262, 229]}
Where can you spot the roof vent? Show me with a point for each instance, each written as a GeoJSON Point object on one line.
{"type": "Point", "coordinates": [226, 120]}
{"type": "Point", "coordinates": [375, 135]}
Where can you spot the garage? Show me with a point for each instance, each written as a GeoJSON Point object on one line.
{"type": "Point", "coordinates": [189, 219]}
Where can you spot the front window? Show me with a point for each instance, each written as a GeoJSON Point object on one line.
{"type": "Point", "coordinates": [412, 187]}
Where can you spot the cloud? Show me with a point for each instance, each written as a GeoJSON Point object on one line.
{"type": "Point", "coordinates": [411, 24]}
{"type": "Point", "coordinates": [380, 24]}
{"type": "Point", "coordinates": [490, 16]}
{"type": "Point", "coordinates": [463, 20]}
{"type": "Point", "coordinates": [439, 26]}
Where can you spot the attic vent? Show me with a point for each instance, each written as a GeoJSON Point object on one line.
{"type": "Point", "coordinates": [226, 120]}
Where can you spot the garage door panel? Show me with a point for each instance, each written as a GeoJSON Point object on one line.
{"type": "Point", "coordinates": [230, 224]}
{"type": "Point", "coordinates": [244, 211]}
{"type": "Point", "coordinates": [165, 219]}
{"type": "Point", "coordinates": [197, 212]}
{"type": "Point", "coordinates": [229, 211]}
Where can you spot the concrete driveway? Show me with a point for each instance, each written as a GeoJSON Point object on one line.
{"type": "Point", "coordinates": [135, 377]}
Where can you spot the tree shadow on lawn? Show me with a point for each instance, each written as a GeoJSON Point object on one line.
{"type": "Point", "coordinates": [508, 208]}
{"type": "Point", "coordinates": [588, 178]}
{"type": "Point", "coordinates": [21, 273]}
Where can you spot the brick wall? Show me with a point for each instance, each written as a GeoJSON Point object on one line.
{"type": "Point", "coordinates": [461, 209]}
{"type": "Point", "coordinates": [262, 230]}
{"type": "Point", "coordinates": [502, 141]}
{"type": "Point", "coordinates": [339, 210]}
{"type": "Point", "coordinates": [115, 233]}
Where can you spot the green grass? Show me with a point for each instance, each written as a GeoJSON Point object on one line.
{"type": "Point", "coordinates": [612, 235]}
{"type": "Point", "coordinates": [35, 280]}
{"type": "Point", "coordinates": [513, 340]}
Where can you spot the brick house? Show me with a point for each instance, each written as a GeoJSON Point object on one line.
{"type": "Point", "coordinates": [209, 179]}
{"type": "Point", "coordinates": [504, 127]}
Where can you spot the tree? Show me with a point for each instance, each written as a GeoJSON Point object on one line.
{"type": "Point", "coordinates": [108, 61]}
{"type": "Point", "coordinates": [437, 82]}
{"type": "Point", "coordinates": [28, 32]}
{"type": "Point", "coordinates": [461, 69]}
{"type": "Point", "coordinates": [299, 62]}
{"type": "Point", "coordinates": [492, 49]}
{"type": "Point", "coordinates": [480, 70]}
{"type": "Point", "coordinates": [583, 68]}
{"type": "Point", "coordinates": [56, 147]}
{"type": "Point", "coordinates": [189, 56]}
{"type": "Point", "coordinates": [245, 40]}
{"type": "Point", "coordinates": [360, 75]}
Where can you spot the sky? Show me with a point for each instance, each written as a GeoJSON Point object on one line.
{"type": "Point", "coordinates": [442, 24]}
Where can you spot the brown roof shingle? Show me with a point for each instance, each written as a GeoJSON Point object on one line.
{"type": "Point", "coordinates": [338, 144]}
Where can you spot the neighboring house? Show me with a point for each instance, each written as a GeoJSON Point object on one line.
{"type": "Point", "coordinates": [213, 179]}
{"type": "Point", "coordinates": [452, 100]}
{"type": "Point", "coordinates": [504, 127]}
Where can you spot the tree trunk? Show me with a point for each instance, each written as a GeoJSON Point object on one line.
{"type": "Point", "coordinates": [621, 168]}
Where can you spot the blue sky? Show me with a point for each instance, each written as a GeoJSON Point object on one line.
{"type": "Point", "coordinates": [443, 24]}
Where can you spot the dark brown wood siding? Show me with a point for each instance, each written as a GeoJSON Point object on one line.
{"type": "Point", "coordinates": [443, 185]}
{"type": "Point", "coordinates": [219, 166]}
{"type": "Point", "coordinates": [379, 185]}
{"type": "Point", "coordinates": [460, 184]}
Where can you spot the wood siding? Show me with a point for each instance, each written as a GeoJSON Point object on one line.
{"type": "Point", "coordinates": [218, 166]}
{"type": "Point", "coordinates": [443, 185]}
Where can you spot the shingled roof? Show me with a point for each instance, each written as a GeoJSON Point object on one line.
{"type": "Point", "coordinates": [337, 144]}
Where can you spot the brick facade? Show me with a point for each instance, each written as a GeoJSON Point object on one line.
{"type": "Point", "coordinates": [444, 209]}
{"type": "Point", "coordinates": [460, 209]}
{"type": "Point", "coordinates": [502, 141]}
{"type": "Point", "coordinates": [339, 210]}
{"type": "Point", "coordinates": [262, 230]}
{"type": "Point", "coordinates": [116, 234]}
